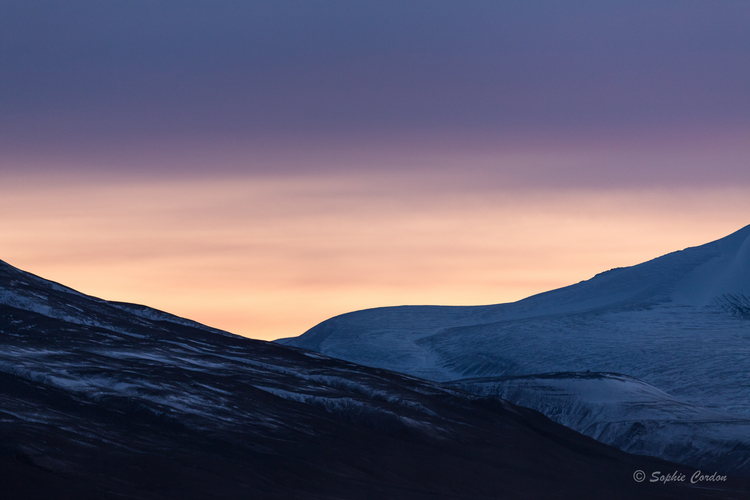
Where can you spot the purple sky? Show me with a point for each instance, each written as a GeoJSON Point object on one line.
{"type": "Point", "coordinates": [120, 78]}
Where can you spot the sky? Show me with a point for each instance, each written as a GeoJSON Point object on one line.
{"type": "Point", "coordinates": [262, 166]}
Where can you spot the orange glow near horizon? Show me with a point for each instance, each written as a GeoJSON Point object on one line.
{"type": "Point", "coordinates": [270, 257]}
{"type": "Point", "coordinates": [260, 167]}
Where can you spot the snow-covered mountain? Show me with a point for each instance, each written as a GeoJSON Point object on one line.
{"type": "Point", "coordinates": [679, 323]}
{"type": "Point", "coordinates": [110, 400]}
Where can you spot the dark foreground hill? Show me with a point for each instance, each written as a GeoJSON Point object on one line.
{"type": "Point", "coordinates": [110, 400]}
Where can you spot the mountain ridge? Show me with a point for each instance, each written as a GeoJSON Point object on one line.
{"type": "Point", "coordinates": [554, 301]}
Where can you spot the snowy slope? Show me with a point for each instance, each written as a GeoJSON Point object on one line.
{"type": "Point", "coordinates": [629, 414]}
{"type": "Point", "coordinates": [680, 323]}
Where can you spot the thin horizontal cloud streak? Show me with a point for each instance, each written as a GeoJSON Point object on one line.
{"type": "Point", "coordinates": [460, 161]}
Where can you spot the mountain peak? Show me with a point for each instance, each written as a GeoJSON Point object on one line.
{"type": "Point", "coordinates": [722, 280]}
